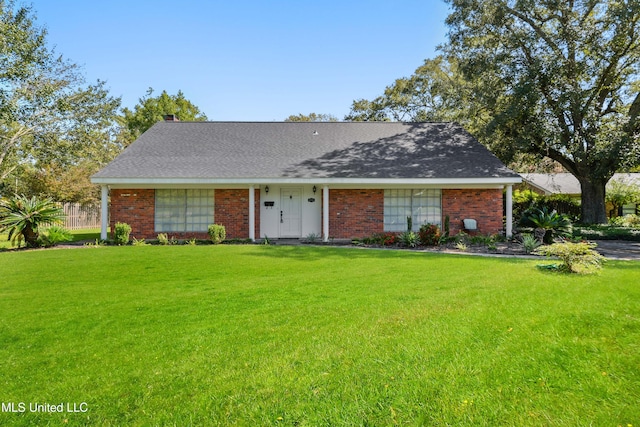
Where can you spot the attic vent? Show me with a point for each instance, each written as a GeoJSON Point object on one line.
{"type": "Point", "coordinates": [315, 132]}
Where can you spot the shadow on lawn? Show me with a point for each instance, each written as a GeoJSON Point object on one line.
{"type": "Point", "coordinates": [313, 253]}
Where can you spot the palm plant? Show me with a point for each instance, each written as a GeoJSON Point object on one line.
{"type": "Point", "coordinates": [553, 223]}
{"type": "Point", "coordinates": [21, 216]}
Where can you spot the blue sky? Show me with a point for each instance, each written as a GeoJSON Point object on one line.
{"type": "Point", "coordinates": [247, 60]}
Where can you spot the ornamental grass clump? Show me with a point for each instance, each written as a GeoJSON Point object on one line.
{"type": "Point", "coordinates": [580, 258]}
{"type": "Point", "coordinates": [409, 239]}
{"type": "Point", "coordinates": [53, 235]}
{"type": "Point", "coordinates": [529, 242]}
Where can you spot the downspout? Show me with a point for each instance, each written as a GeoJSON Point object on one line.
{"type": "Point", "coordinates": [509, 212]}
{"type": "Point", "coordinates": [104, 211]}
{"type": "Point", "coordinates": [325, 213]}
{"type": "Point", "coordinates": [252, 213]}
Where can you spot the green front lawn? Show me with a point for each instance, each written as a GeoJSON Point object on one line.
{"type": "Point", "coordinates": [89, 234]}
{"type": "Point", "coordinates": [305, 336]}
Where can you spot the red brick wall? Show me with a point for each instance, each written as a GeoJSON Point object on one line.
{"type": "Point", "coordinates": [232, 211]}
{"type": "Point", "coordinates": [483, 205]}
{"type": "Point", "coordinates": [355, 213]}
{"type": "Point", "coordinates": [136, 208]}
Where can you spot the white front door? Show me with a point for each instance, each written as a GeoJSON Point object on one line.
{"type": "Point", "coordinates": [290, 212]}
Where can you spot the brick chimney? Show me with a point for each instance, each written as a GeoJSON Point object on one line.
{"type": "Point", "coordinates": [171, 118]}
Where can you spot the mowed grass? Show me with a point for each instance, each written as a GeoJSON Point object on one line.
{"type": "Point", "coordinates": [306, 336]}
{"type": "Point", "coordinates": [90, 234]}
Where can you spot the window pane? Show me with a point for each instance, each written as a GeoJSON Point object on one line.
{"type": "Point", "coordinates": [184, 210]}
{"type": "Point", "coordinates": [423, 205]}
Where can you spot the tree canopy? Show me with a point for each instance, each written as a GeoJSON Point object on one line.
{"type": "Point", "coordinates": [559, 80]}
{"type": "Point", "coordinates": [535, 81]}
{"type": "Point", "coordinates": [151, 109]}
{"type": "Point", "coordinates": [312, 117]}
{"type": "Point", "coordinates": [46, 109]}
{"type": "Point", "coordinates": [434, 92]}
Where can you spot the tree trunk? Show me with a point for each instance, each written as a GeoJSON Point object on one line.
{"type": "Point", "coordinates": [30, 237]}
{"type": "Point", "coordinates": [593, 205]}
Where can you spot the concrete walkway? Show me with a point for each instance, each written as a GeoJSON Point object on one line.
{"type": "Point", "coordinates": [619, 249]}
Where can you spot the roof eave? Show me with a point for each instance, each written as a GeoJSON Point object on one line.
{"type": "Point", "coordinates": [151, 182]}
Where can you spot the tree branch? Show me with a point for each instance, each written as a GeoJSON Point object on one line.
{"type": "Point", "coordinates": [538, 30]}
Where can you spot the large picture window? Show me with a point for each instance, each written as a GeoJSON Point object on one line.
{"type": "Point", "coordinates": [183, 210]}
{"type": "Point", "coordinates": [422, 205]}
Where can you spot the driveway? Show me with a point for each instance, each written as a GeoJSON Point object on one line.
{"type": "Point", "coordinates": [619, 249]}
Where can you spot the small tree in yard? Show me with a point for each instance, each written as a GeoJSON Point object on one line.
{"type": "Point", "coordinates": [22, 217]}
{"type": "Point", "coordinates": [578, 258]}
{"type": "Point", "coordinates": [620, 193]}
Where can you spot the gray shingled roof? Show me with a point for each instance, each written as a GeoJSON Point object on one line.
{"type": "Point", "coordinates": [240, 150]}
{"type": "Point", "coordinates": [554, 183]}
{"type": "Point", "coordinates": [566, 183]}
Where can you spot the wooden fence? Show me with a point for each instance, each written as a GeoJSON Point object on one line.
{"type": "Point", "coordinates": [79, 216]}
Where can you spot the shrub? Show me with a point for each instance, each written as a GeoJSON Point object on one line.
{"type": "Point", "coordinates": [561, 203]}
{"type": "Point", "coordinates": [217, 233]}
{"type": "Point", "coordinates": [54, 235]}
{"type": "Point", "coordinates": [409, 239]}
{"type": "Point", "coordinates": [447, 220]}
{"type": "Point", "coordinates": [578, 258]}
{"type": "Point", "coordinates": [460, 237]}
{"type": "Point", "coordinates": [122, 230]}
{"type": "Point", "coordinates": [429, 235]}
{"type": "Point", "coordinates": [631, 221]}
{"type": "Point", "coordinates": [607, 232]}
{"type": "Point", "coordinates": [481, 240]}
{"type": "Point", "coordinates": [384, 239]}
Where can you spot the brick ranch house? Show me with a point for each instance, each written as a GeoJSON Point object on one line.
{"type": "Point", "coordinates": [290, 179]}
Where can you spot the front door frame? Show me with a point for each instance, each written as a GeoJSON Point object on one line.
{"type": "Point", "coordinates": [284, 216]}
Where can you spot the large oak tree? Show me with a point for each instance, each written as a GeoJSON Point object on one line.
{"type": "Point", "coordinates": [560, 80]}
{"type": "Point", "coordinates": [434, 92]}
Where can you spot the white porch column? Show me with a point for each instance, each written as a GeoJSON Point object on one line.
{"type": "Point", "coordinates": [104, 211]}
{"type": "Point", "coordinates": [252, 213]}
{"type": "Point", "coordinates": [509, 211]}
{"type": "Point", "coordinates": [325, 213]}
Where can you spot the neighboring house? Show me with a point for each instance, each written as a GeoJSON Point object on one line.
{"type": "Point", "coordinates": [552, 183]}
{"type": "Point", "coordinates": [566, 183]}
{"type": "Point", "coordinates": [293, 179]}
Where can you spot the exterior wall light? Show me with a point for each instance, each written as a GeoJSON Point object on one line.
{"type": "Point", "coordinates": [314, 189]}
{"type": "Point", "coordinates": [266, 189]}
